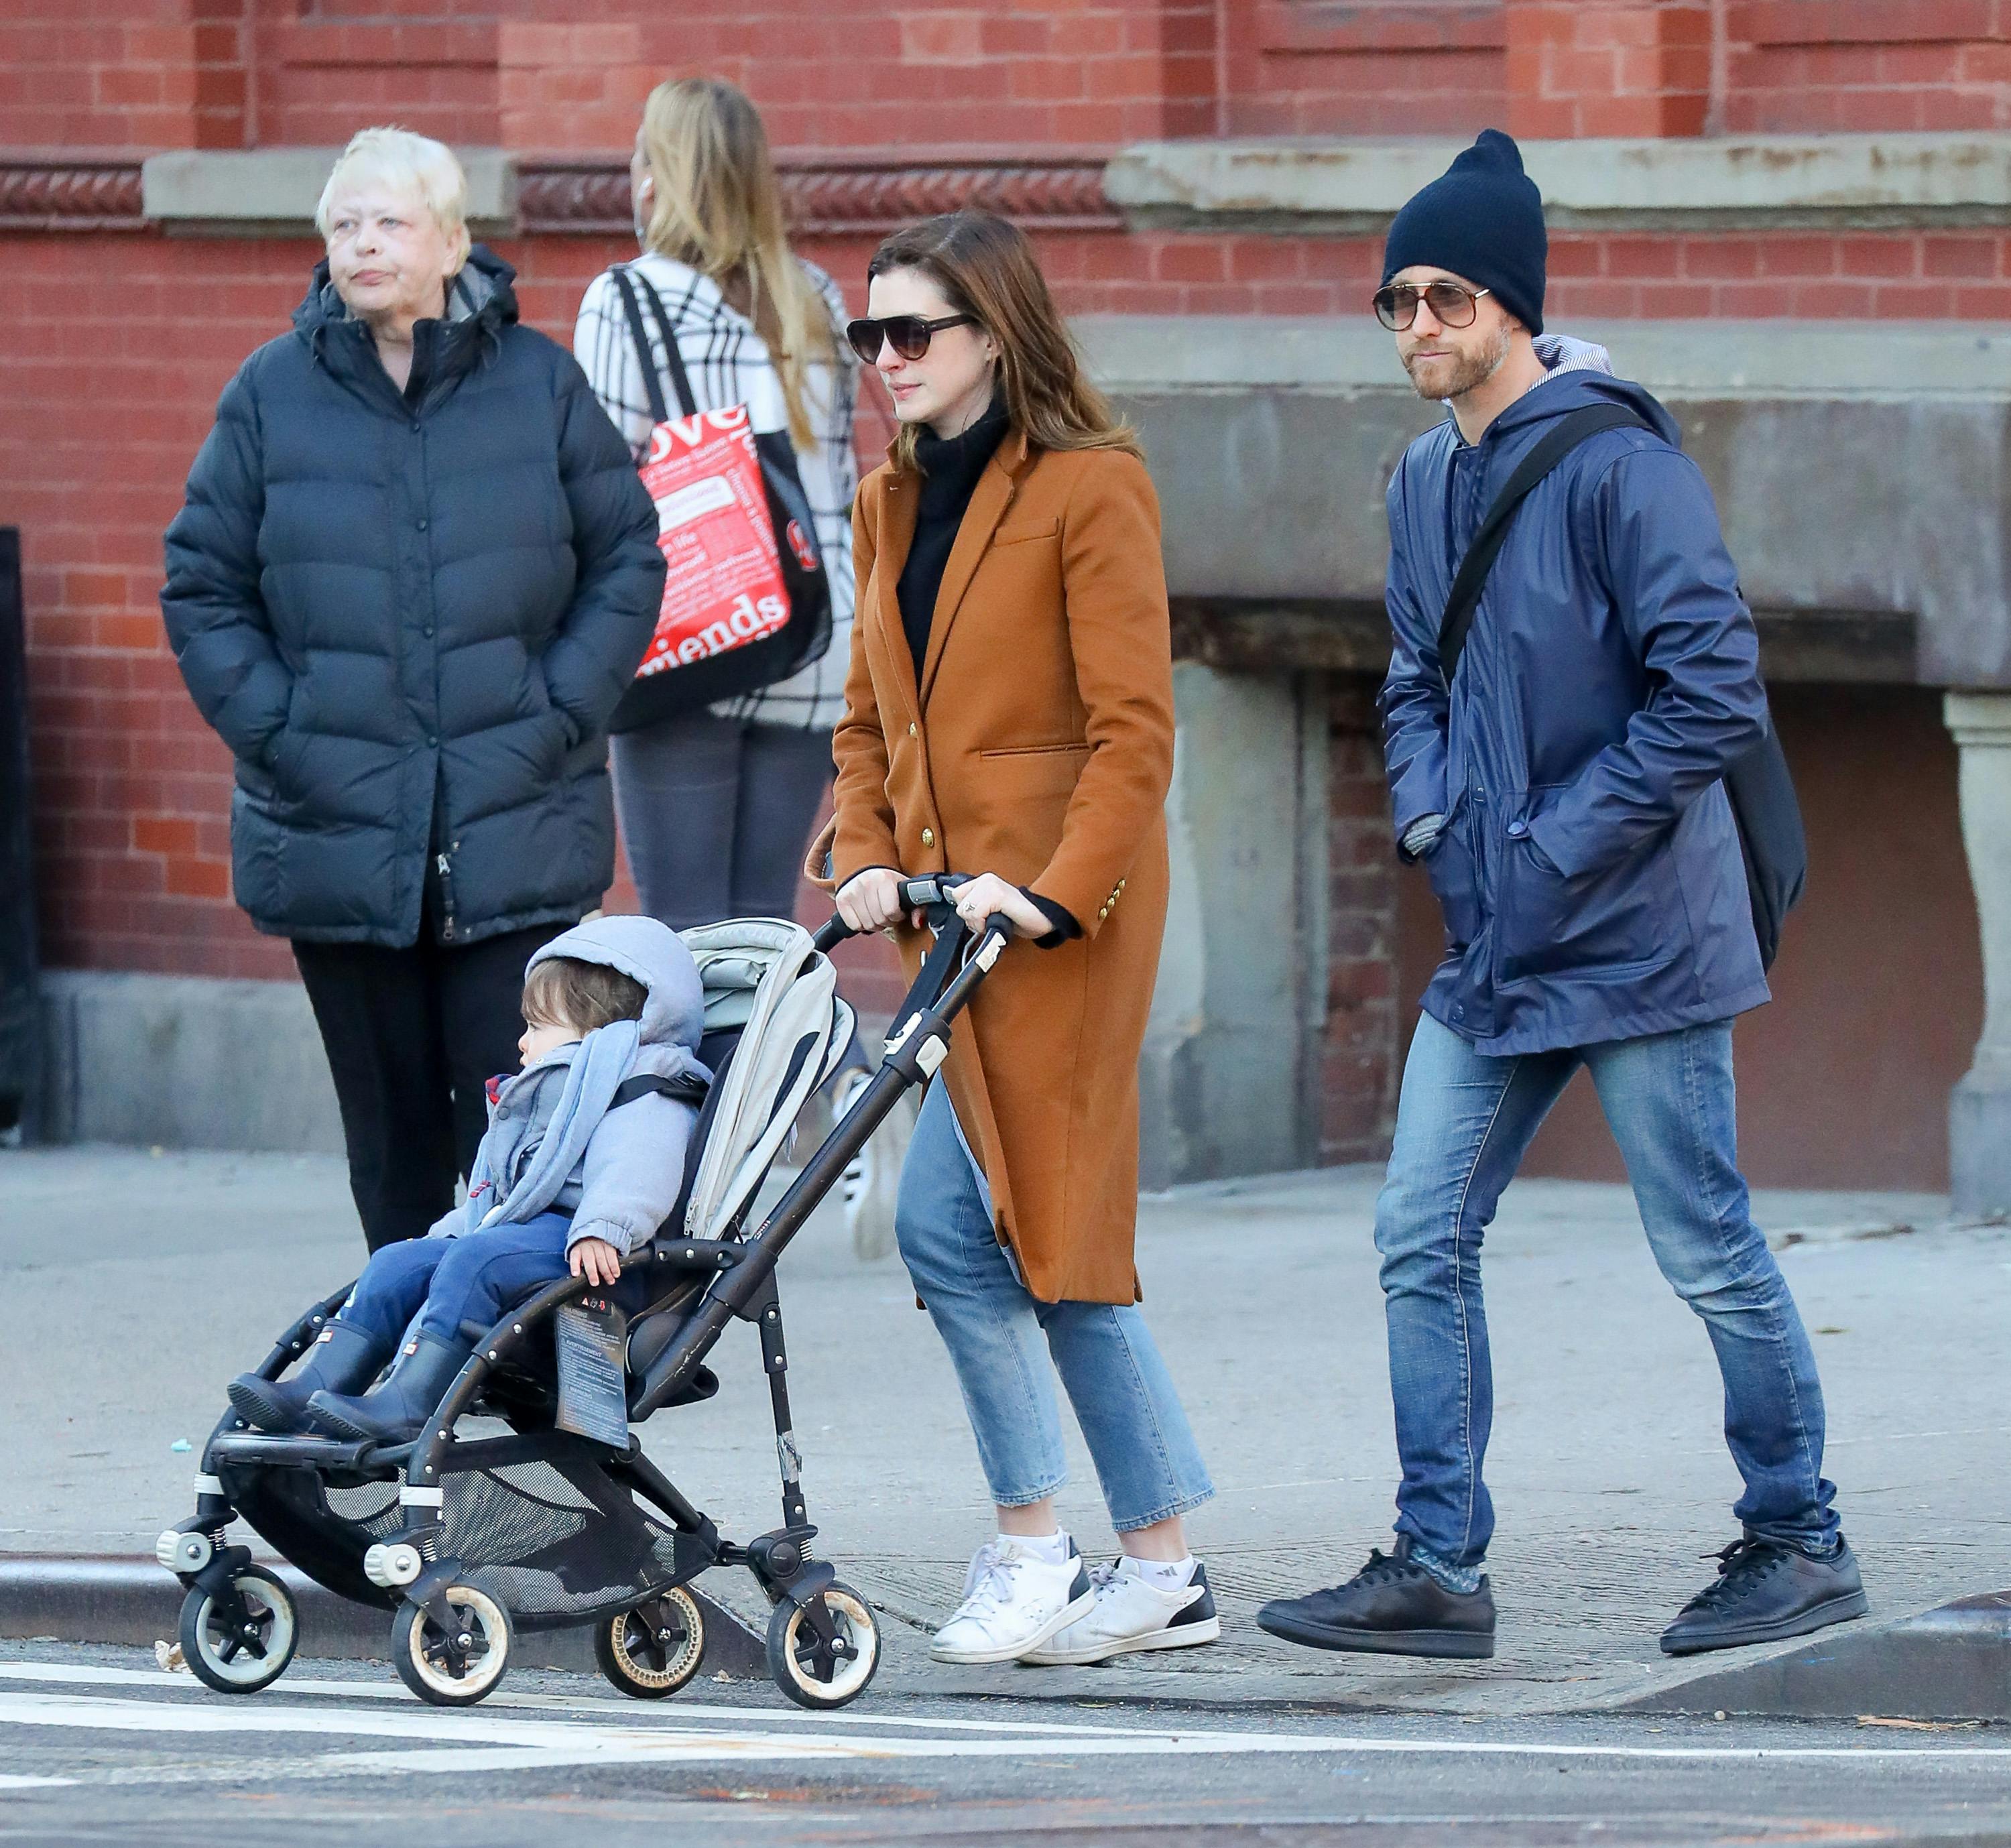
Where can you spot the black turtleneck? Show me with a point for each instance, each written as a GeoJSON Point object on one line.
{"type": "Point", "coordinates": [951, 467]}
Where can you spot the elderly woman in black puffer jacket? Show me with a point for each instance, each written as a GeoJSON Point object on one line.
{"type": "Point", "coordinates": [415, 572]}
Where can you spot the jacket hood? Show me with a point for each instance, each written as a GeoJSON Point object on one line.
{"type": "Point", "coordinates": [1580, 374]}
{"type": "Point", "coordinates": [652, 953]}
{"type": "Point", "coordinates": [481, 291]}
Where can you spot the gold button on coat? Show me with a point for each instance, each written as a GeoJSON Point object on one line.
{"type": "Point", "coordinates": [914, 731]}
{"type": "Point", "coordinates": [928, 837]}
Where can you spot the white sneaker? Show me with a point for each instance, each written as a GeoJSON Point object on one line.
{"type": "Point", "coordinates": [1014, 1600]}
{"type": "Point", "coordinates": [1132, 1613]}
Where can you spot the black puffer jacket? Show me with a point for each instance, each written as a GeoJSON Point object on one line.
{"type": "Point", "coordinates": [409, 616]}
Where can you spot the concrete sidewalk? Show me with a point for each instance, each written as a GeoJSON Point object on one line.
{"type": "Point", "coordinates": [131, 1286]}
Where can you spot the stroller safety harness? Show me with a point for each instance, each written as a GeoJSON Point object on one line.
{"type": "Point", "coordinates": [468, 1535]}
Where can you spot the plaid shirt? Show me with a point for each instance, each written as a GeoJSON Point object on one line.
{"type": "Point", "coordinates": [728, 364]}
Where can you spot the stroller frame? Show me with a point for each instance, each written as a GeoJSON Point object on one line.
{"type": "Point", "coordinates": [451, 1643]}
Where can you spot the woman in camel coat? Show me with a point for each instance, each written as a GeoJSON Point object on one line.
{"type": "Point", "coordinates": [1009, 715]}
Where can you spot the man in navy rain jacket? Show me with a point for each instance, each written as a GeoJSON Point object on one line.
{"type": "Point", "coordinates": [1565, 798]}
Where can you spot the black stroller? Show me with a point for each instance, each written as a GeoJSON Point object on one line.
{"type": "Point", "coordinates": [464, 1537]}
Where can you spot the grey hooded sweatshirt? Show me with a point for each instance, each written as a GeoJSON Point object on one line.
{"type": "Point", "coordinates": [626, 1181]}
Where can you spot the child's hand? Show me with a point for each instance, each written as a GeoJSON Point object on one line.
{"type": "Point", "coordinates": [595, 1260]}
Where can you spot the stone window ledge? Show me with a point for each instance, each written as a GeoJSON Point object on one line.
{"type": "Point", "coordinates": [273, 191]}
{"type": "Point", "coordinates": [1749, 182]}
{"type": "Point", "coordinates": [1901, 360]}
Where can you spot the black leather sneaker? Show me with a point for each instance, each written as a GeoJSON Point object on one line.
{"type": "Point", "coordinates": [1392, 1607]}
{"type": "Point", "coordinates": [1765, 1592]}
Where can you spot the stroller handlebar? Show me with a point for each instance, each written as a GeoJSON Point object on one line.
{"type": "Point", "coordinates": [931, 893]}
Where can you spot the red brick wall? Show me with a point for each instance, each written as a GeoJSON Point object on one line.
{"type": "Point", "coordinates": [1823, 65]}
{"type": "Point", "coordinates": [1359, 1061]}
{"type": "Point", "coordinates": [918, 72]}
{"type": "Point", "coordinates": [1959, 273]}
{"type": "Point", "coordinates": [1305, 67]}
{"type": "Point", "coordinates": [1614, 67]}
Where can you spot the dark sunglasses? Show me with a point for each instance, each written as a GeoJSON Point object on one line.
{"type": "Point", "coordinates": [1451, 305]}
{"type": "Point", "coordinates": [909, 335]}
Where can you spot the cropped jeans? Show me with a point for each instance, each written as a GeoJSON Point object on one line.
{"type": "Point", "coordinates": [1000, 1339]}
{"type": "Point", "coordinates": [1463, 1122]}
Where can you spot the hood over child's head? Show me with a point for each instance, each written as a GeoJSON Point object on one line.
{"type": "Point", "coordinates": [627, 968]}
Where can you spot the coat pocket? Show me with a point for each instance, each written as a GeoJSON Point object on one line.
{"type": "Point", "coordinates": [1627, 916]}
{"type": "Point", "coordinates": [1455, 878]}
{"type": "Point", "coordinates": [1039, 769]}
{"type": "Point", "coordinates": [1013, 535]}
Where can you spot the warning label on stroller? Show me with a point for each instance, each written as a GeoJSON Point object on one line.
{"type": "Point", "coordinates": [593, 1402]}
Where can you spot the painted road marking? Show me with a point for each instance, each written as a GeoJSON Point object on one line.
{"type": "Point", "coordinates": [422, 1739]}
{"type": "Point", "coordinates": [75, 1674]}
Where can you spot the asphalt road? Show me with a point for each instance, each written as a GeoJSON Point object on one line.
{"type": "Point", "coordinates": [97, 1746]}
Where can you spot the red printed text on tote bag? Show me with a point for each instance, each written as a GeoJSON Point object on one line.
{"type": "Point", "coordinates": [725, 587]}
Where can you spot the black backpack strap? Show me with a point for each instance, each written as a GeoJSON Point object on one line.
{"type": "Point", "coordinates": [624, 287]}
{"type": "Point", "coordinates": [1551, 448]}
{"type": "Point", "coordinates": [680, 379]}
{"type": "Point", "coordinates": [687, 1088]}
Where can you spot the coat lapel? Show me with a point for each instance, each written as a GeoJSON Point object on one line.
{"type": "Point", "coordinates": [898, 507]}
{"type": "Point", "coordinates": [988, 502]}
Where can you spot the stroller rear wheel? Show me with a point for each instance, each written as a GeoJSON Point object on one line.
{"type": "Point", "coordinates": [426, 1658]}
{"type": "Point", "coordinates": [804, 1670]}
{"type": "Point", "coordinates": [240, 1651]}
{"type": "Point", "coordinates": [654, 1649]}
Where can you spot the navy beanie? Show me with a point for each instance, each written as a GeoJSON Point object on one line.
{"type": "Point", "coordinates": [1482, 220]}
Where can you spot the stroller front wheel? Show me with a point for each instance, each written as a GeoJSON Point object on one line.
{"type": "Point", "coordinates": [804, 1670]}
{"type": "Point", "coordinates": [652, 1651]}
{"type": "Point", "coordinates": [426, 1658]}
{"type": "Point", "coordinates": [240, 1650]}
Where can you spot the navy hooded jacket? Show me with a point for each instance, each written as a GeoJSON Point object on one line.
{"type": "Point", "coordinates": [1589, 873]}
{"type": "Point", "coordinates": [409, 616]}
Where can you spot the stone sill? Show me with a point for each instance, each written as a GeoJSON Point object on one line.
{"type": "Point", "coordinates": [272, 191]}
{"type": "Point", "coordinates": [1733, 183]}
{"type": "Point", "coordinates": [1879, 360]}
{"type": "Point", "coordinates": [1342, 636]}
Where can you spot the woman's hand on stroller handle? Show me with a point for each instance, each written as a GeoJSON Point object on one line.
{"type": "Point", "coordinates": [981, 898]}
{"type": "Point", "coordinates": [877, 897]}
{"type": "Point", "coordinates": [874, 899]}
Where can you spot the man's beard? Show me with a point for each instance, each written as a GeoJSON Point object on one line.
{"type": "Point", "coordinates": [1470, 371]}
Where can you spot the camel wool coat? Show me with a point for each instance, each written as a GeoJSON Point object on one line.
{"type": "Point", "coordinates": [1038, 745]}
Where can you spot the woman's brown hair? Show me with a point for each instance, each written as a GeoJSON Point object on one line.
{"type": "Point", "coordinates": [985, 268]}
{"type": "Point", "coordinates": [717, 208]}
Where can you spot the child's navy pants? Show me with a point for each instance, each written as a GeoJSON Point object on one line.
{"type": "Point", "coordinates": [465, 1284]}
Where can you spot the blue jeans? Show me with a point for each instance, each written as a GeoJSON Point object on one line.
{"type": "Point", "coordinates": [464, 1284]}
{"type": "Point", "coordinates": [994, 1326]}
{"type": "Point", "coordinates": [1463, 1122]}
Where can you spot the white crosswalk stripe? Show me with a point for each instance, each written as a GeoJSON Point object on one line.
{"type": "Point", "coordinates": [524, 1732]}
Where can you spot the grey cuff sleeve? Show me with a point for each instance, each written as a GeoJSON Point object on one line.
{"type": "Point", "coordinates": [1422, 836]}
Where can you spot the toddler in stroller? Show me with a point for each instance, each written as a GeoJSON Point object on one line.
{"type": "Point", "coordinates": [558, 1520]}
{"type": "Point", "coordinates": [583, 1161]}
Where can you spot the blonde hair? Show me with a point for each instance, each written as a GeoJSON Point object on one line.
{"type": "Point", "coordinates": [716, 206]}
{"type": "Point", "coordinates": [985, 268]}
{"type": "Point", "coordinates": [414, 164]}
